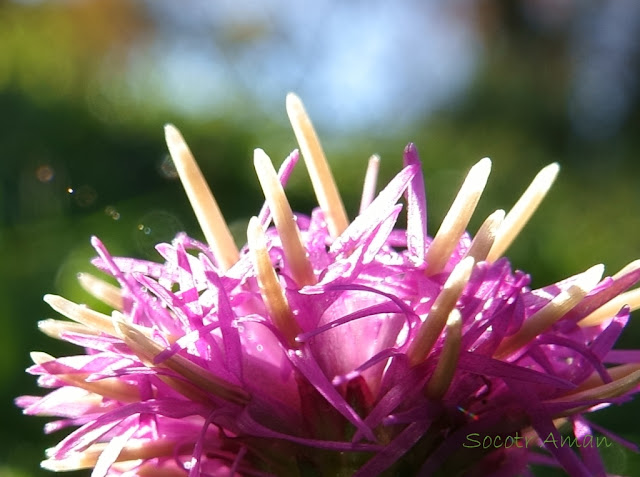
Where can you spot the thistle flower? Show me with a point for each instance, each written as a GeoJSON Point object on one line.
{"type": "Point", "coordinates": [330, 347]}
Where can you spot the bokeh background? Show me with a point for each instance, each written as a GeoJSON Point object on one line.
{"type": "Point", "coordinates": [86, 86]}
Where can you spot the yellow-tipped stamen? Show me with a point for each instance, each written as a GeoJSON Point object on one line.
{"type": "Point", "coordinates": [611, 308]}
{"type": "Point", "coordinates": [105, 292]}
{"type": "Point", "coordinates": [457, 219]}
{"type": "Point", "coordinates": [57, 328]}
{"type": "Point", "coordinates": [270, 289]}
{"type": "Point", "coordinates": [81, 314]}
{"type": "Point", "coordinates": [483, 241]}
{"type": "Point", "coordinates": [204, 205]}
{"type": "Point", "coordinates": [112, 388]}
{"type": "Point", "coordinates": [522, 211]}
{"type": "Point", "coordinates": [445, 369]}
{"type": "Point", "coordinates": [437, 317]}
{"type": "Point", "coordinates": [321, 178]}
{"type": "Point", "coordinates": [370, 180]}
{"type": "Point", "coordinates": [294, 252]}
{"type": "Point", "coordinates": [544, 318]}
{"type": "Point", "coordinates": [134, 450]}
{"type": "Point", "coordinates": [147, 349]}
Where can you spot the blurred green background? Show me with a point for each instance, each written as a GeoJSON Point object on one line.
{"type": "Point", "coordinates": [86, 86]}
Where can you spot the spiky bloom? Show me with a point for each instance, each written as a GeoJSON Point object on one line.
{"type": "Point", "coordinates": [329, 347]}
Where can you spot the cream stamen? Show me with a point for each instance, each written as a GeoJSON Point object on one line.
{"type": "Point", "coordinates": [321, 178]}
{"type": "Point", "coordinates": [204, 205]}
{"type": "Point", "coordinates": [57, 328]}
{"type": "Point", "coordinates": [112, 388]}
{"type": "Point", "coordinates": [612, 307]}
{"type": "Point", "coordinates": [270, 289]}
{"type": "Point", "coordinates": [616, 373]}
{"type": "Point", "coordinates": [445, 369]}
{"type": "Point", "coordinates": [456, 220]}
{"type": "Point", "coordinates": [522, 211]}
{"type": "Point", "coordinates": [88, 458]}
{"type": "Point", "coordinates": [628, 268]}
{"type": "Point", "coordinates": [483, 241]}
{"type": "Point", "coordinates": [81, 314]}
{"type": "Point", "coordinates": [294, 251]}
{"type": "Point", "coordinates": [610, 390]}
{"type": "Point", "coordinates": [370, 180]}
{"type": "Point", "coordinates": [147, 349]}
{"type": "Point", "coordinates": [544, 318]}
{"type": "Point", "coordinates": [103, 291]}
{"type": "Point", "coordinates": [437, 317]}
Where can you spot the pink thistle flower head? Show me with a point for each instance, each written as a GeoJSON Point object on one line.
{"type": "Point", "coordinates": [335, 347]}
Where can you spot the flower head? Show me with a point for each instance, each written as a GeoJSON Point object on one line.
{"type": "Point", "coordinates": [330, 347]}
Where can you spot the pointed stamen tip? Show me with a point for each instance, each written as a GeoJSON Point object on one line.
{"type": "Point", "coordinates": [553, 311]}
{"type": "Point", "coordinates": [45, 323]}
{"type": "Point", "coordinates": [50, 327]}
{"type": "Point", "coordinates": [544, 179]}
{"type": "Point", "coordinates": [457, 218]}
{"type": "Point", "coordinates": [484, 163]}
{"type": "Point", "coordinates": [55, 301]}
{"type": "Point", "coordinates": [53, 465]}
{"type": "Point", "coordinates": [255, 234]}
{"type": "Point", "coordinates": [461, 272]}
{"type": "Point", "coordinates": [122, 329]}
{"type": "Point", "coordinates": [591, 278]}
{"type": "Point", "coordinates": [550, 172]}
{"type": "Point", "coordinates": [629, 268]}
{"type": "Point", "coordinates": [38, 357]}
{"type": "Point", "coordinates": [486, 235]}
{"type": "Point", "coordinates": [523, 209]}
{"type": "Point", "coordinates": [479, 173]}
{"type": "Point", "coordinates": [498, 215]}
{"type": "Point", "coordinates": [454, 319]}
{"type": "Point", "coordinates": [261, 159]}
{"type": "Point", "coordinates": [322, 179]}
{"type": "Point", "coordinates": [293, 103]}
{"type": "Point", "coordinates": [284, 220]}
{"type": "Point", "coordinates": [172, 134]}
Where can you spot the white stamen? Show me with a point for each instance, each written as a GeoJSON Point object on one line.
{"type": "Point", "coordinates": [294, 251]}
{"type": "Point", "coordinates": [483, 241]}
{"type": "Point", "coordinates": [370, 180]}
{"type": "Point", "coordinates": [321, 178]}
{"type": "Point", "coordinates": [437, 317]}
{"type": "Point", "coordinates": [456, 220]}
{"type": "Point", "coordinates": [447, 362]}
{"type": "Point", "coordinates": [544, 318]}
{"type": "Point", "coordinates": [103, 291]}
{"type": "Point", "coordinates": [204, 205]}
{"type": "Point", "coordinates": [522, 211]}
{"type": "Point", "coordinates": [270, 289]}
{"type": "Point", "coordinates": [612, 307]}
